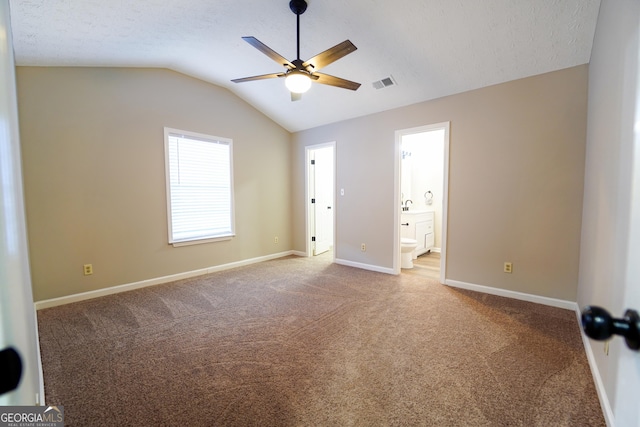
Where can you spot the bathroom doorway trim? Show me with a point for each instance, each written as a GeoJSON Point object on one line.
{"type": "Point", "coordinates": [445, 194]}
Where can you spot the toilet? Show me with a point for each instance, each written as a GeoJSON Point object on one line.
{"type": "Point", "coordinates": [407, 246]}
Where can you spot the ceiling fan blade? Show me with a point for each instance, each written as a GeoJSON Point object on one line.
{"type": "Point", "coordinates": [260, 77]}
{"type": "Point", "coordinates": [296, 96]}
{"type": "Point", "coordinates": [326, 79]}
{"type": "Point", "coordinates": [268, 51]}
{"type": "Point", "coordinates": [330, 55]}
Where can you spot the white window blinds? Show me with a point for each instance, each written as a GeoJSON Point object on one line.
{"type": "Point", "coordinates": [199, 186]}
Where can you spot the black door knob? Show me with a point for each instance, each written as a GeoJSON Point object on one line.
{"type": "Point", "coordinates": [598, 324]}
{"type": "Point", "coordinates": [10, 370]}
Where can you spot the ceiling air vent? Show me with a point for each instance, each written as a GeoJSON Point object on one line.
{"type": "Point", "coordinates": [386, 82]}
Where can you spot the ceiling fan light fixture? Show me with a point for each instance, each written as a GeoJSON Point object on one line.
{"type": "Point", "coordinates": [297, 81]}
{"type": "Point", "coordinates": [299, 74]}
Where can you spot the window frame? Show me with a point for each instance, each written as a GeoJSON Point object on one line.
{"type": "Point", "coordinates": [171, 132]}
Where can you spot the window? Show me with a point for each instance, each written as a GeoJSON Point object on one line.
{"type": "Point", "coordinates": [199, 172]}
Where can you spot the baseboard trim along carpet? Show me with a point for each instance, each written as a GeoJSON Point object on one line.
{"type": "Point", "coordinates": [553, 302]}
{"type": "Point", "coordinates": [363, 266]}
{"type": "Point", "coordinates": [607, 412]}
{"type": "Point", "coordinates": [53, 302]}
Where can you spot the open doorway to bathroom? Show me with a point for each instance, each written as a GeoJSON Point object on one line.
{"type": "Point", "coordinates": [422, 161]}
{"type": "Point", "coordinates": [320, 203]}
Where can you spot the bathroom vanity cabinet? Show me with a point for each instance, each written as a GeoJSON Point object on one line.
{"type": "Point", "coordinates": [419, 225]}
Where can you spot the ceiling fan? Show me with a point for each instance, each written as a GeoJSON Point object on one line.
{"type": "Point", "coordinates": [299, 74]}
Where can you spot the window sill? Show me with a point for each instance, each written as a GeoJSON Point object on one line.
{"type": "Point", "coordinates": [201, 241]}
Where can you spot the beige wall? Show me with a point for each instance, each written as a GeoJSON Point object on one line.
{"type": "Point", "coordinates": [515, 186]}
{"type": "Point", "coordinates": [93, 154]}
{"type": "Point", "coordinates": [95, 193]}
{"type": "Point", "coordinates": [610, 246]}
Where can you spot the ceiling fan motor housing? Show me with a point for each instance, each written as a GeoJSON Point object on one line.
{"type": "Point", "coordinates": [298, 6]}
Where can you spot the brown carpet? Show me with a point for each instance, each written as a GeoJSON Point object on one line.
{"type": "Point", "coordinates": [303, 342]}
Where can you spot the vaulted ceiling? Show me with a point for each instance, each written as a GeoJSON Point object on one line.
{"type": "Point", "coordinates": [430, 48]}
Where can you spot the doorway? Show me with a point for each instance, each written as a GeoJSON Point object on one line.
{"type": "Point", "coordinates": [320, 201]}
{"type": "Point", "coordinates": [422, 187]}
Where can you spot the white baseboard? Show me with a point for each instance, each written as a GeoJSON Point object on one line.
{"type": "Point", "coordinates": [554, 302]}
{"type": "Point", "coordinates": [39, 305]}
{"type": "Point", "coordinates": [369, 267]}
{"type": "Point", "coordinates": [607, 412]}
{"type": "Point", "coordinates": [299, 253]}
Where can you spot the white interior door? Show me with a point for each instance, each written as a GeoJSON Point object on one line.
{"type": "Point", "coordinates": [18, 335]}
{"type": "Point", "coordinates": [323, 197]}
{"type": "Point", "coordinates": [628, 382]}
{"type": "Point", "coordinates": [626, 407]}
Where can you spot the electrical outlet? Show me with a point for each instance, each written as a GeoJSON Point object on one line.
{"type": "Point", "coordinates": [508, 267]}
{"type": "Point", "coordinates": [88, 269]}
{"type": "Point", "coordinates": [276, 240]}
{"type": "Point", "coordinates": [363, 247]}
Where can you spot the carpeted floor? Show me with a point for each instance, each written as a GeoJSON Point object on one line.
{"type": "Point", "coordinates": [303, 342]}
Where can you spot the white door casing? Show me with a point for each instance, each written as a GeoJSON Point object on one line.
{"type": "Point", "coordinates": [399, 134]}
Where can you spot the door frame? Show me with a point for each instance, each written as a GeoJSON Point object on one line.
{"type": "Point", "coordinates": [397, 198]}
{"type": "Point", "coordinates": [307, 198]}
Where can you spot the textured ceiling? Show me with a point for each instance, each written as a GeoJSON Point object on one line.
{"type": "Point", "coordinates": [432, 48]}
